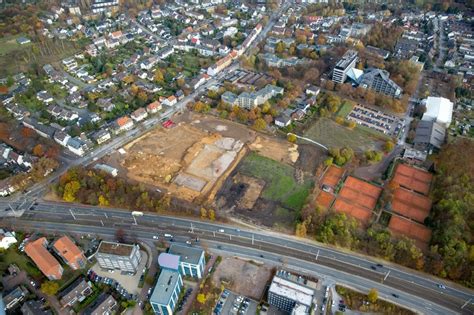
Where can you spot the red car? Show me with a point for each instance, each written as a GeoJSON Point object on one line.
{"type": "Point", "coordinates": [168, 124]}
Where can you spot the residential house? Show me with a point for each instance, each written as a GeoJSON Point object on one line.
{"type": "Point", "coordinates": [105, 104]}
{"type": "Point", "coordinates": [7, 239]}
{"type": "Point", "coordinates": [44, 97]}
{"type": "Point", "coordinates": [312, 90]}
{"type": "Point", "coordinates": [154, 107]}
{"type": "Point", "coordinates": [104, 305]}
{"type": "Point", "coordinates": [139, 114]}
{"type": "Point", "coordinates": [42, 130]}
{"type": "Point", "coordinates": [101, 136]}
{"type": "Point", "coordinates": [123, 123]}
{"type": "Point", "coordinates": [76, 146]}
{"type": "Point", "coordinates": [34, 307]}
{"type": "Point", "coordinates": [170, 101]}
{"type": "Point", "coordinates": [72, 255]}
{"type": "Point", "coordinates": [283, 120]}
{"type": "Point", "coordinates": [61, 137]}
{"type": "Point", "coordinates": [45, 262]}
{"type": "Point", "coordinates": [15, 296]}
{"type": "Point", "coordinates": [76, 292]}
{"type": "Point", "coordinates": [165, 52]}
{"type": "Point", "coordinates": [70, 63]}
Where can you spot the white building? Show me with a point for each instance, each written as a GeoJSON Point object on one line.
{"type": "Point", "coordinates": [7, 239]}
{"type": "Point", "coordinates": [438, 109]}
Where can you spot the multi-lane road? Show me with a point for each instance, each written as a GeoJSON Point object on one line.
{"type": "Point", "coordinates": [415, 290]}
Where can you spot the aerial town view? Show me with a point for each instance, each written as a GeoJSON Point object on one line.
{"type": "Point", "coordinates": [236, 157]}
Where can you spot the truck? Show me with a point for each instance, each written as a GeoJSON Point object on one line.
{"type": "Point", "coordinates": [137, 213]}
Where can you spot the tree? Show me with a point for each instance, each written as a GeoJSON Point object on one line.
{"type": "Point", "coordinates": [201, 298]}
{"type": "Point", "coordinates": [70, 190]}
{"type": "Point", "coordinates": [103, 201]}
{"type": "Point", "coordinates": [212, 215]}
{"type": "Point", "coordinates": [260, 124]}
{"type": "Point", "coordinates": [38, 150]}
{"type": "Point", "coordinates": [158, 77]}
{"type": "Point", "coordinates": [203, 213]}
{"type": "Point", "coordinates": [280, 47]}
{"type": "Point", "coordinates": [388, 146]}
{"type": "Point", "coordinates": [373, 295]}
{"type": "Point", "coordinates": [291, 137]}
{"type": "Point", "coordinates": [49, 287]}
{"type": "Point", "coordinates": [301, 230]}
{"type": "Point", "coordinates": [120, 235]}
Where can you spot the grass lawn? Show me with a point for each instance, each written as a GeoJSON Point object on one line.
{"type": "Point", "coordinates": [345, 109]}
{"type": "Point", "coordinates": [280, 184]}
{"type": "Point", "coordinates": [19, 58]}
{"type": "Point", "coordinates": [332, 134]}
{"type": "Point", "coordinates": [13, 256]}
{"type": "Point", "coordinates": [9, 44]}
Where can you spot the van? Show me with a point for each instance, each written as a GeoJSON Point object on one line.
{"type": "Point", "coordinates": [168, 235]}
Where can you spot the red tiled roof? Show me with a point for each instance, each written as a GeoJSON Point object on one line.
{"type": "Point", "coordinates": [69, 251]}
{"type": "Point", "coordinates": [48, 265]}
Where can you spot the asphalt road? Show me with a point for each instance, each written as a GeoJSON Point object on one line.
{"type": "Point", "coordinates": [408, 284]}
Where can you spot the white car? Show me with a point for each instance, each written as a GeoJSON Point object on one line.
{"type": "Point", "coordinates": [221, 231]}
{"type": "Point", "coordinates": [155, 237]}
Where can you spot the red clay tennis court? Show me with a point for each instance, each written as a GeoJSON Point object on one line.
{"type": "Point", "coordinates": [357, 198]}
{"type": "Point", "coordinates": [361, 214]}
{"type": "Point", "coordinates": [413, 178]}
{"type": "Point", "coordinates": [411, 204]}
{"type": "Point", "coordinates": [401, 226]}
{"type": "Point", "coordinates": [325, 199]}
{"type": "Point", "coordinates": [332, 176]}
{"type": "Point", "coordinates": [358, 192]}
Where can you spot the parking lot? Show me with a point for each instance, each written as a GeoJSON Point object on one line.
{"type": "Point", "coordinates": [230, 303]}
{"type": "Point", "coordinates": [114, 284]}
{"type": "Point", "coordinates": [127, 282]}
{"type": "Point", "coordinates": [375, 119]}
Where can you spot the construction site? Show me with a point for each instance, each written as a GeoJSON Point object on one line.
{"type": "Point", "coordinates": [193, 158]}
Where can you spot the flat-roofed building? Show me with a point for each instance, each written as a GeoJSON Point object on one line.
{"type": "Point", "coordinates": [166, 293]}
{"type": "Point", "coordinates": [347, 62]}
{"type": "Point", "coordinates": [288, 292]}
{"type": "Point", "coordinates": [124, 257]}
{"type": "Point", "coordinates": [191, 260]}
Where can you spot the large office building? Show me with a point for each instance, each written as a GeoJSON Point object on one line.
{"type": "Point", "coordinates": [166, 293]}
{"type": "Point", "coordinates": [123, 257]}
{"type": "Point", "coordinates": [379, 81]}
{"type": "Point", "coordinates": [291, 293]}
{"type": "Point", "coordinates": [346, 63]}
{"type": "Point", "coordinates": [191, 260]}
